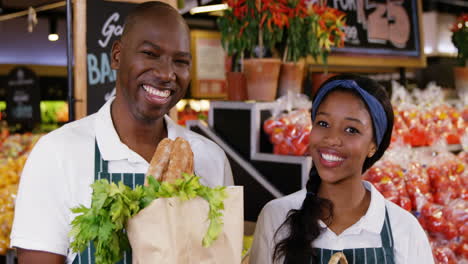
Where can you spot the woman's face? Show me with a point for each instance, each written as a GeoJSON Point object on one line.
{"type": "Point", "coordinates": [341, 137]}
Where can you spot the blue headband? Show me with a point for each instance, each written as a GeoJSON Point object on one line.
{"type": "Point", "coordinates": [377, 112]}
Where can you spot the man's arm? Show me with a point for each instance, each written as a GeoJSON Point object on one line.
{"type": "Point", "coordinates": [42, 214]}
{"type": "Point", "coordinates": [26, 256]}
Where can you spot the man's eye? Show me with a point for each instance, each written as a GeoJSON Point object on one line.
{"type": "Point", "coordinates": [352, 130]}
{"type": "Point", "coordinates": [149, 53]}
{"type": "Point", "coordinates": [183, 62]}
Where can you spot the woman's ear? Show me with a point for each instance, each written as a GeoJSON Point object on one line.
{"type": "Point", "coordinates": [115, 54]}
{"type": "Point", "coordinates": [372, 150]}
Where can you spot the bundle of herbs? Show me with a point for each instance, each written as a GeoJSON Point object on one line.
{"type": "Point", "coordinates": [114, 204]}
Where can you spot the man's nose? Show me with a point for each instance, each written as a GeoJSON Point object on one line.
{"type": "Point", "coordinates": [165, 70]}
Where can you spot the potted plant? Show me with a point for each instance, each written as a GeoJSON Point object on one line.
{"type": "Point", "coordinates": [239, 33]}
{"type": "Point", "coordinates": [294, 47]}
{"type": "Point", "coordinates": [326, 31]}
{"type": "Point", "coordinates": [248, 27]}
{"type": "Point", "coordinates": [460, 40]}
{"type": "Point", "coordinates": [321, 26]}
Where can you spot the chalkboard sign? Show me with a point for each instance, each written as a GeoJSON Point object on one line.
{"type": "Point", "coordinates": [385, 32]}
{"type": "Point", "coordinates": [53, 88]}
{"type": "Point", "coordinates": [23, 98]}
{"type": "Point", "coordinates": [104, 22]}
{"type": "Point", "coordinates": [385, 27]}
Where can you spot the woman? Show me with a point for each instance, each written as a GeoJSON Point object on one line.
{"type": "Point", "coordinates": [338, 211]}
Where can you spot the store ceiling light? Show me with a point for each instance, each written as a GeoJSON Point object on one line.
{"type": "Point", "coordinates": [208, 8]}
{"type": "Point", "coordinates": [53, 35]}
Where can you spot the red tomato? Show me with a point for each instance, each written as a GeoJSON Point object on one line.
{"type": "Point", "coordinates": [269, 125]}
{"type": "Point", "coordinates": [452, 138]}
{"type": "Point", "coordinates": [299, 148]}
{"type": "Point", "coordinates": [462, 250]}
{"type": "Point", "coordinates": [283, 148]}
{"type": "Point", "coordinates": [405, 203]}
{"type": "Point", "coordinates": [450, 232]}
{"type": "Point", "coordinates": [291, 132]}
{"type": "Point", "coordinates": [277, 137]}
{"type": "Point", "coordinates": [444, 255]}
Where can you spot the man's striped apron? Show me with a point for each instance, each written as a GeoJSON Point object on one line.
{"type": "Point", "coordinates": [101, 172]}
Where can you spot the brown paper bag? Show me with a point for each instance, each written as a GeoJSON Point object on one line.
{"type": "Point", "coordinates": [170, 231]}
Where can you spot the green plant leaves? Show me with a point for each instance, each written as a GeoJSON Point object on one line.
{"type": "Point", "coordinates": [114, 204]}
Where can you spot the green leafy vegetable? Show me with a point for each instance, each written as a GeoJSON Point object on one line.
{"type": "Point", "coordinates": [114, 204]}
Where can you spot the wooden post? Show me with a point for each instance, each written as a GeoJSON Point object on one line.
{"type": "Point", "coordinates": [79, 45]}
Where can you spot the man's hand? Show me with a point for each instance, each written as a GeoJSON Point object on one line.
{"type": "Point", "coordinates": [26, 256]}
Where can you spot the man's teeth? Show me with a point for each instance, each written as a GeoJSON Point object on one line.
{"type": "Point", "coordinates": [154, 91]}
{"type": "Point", "coordinates": [329, 157]}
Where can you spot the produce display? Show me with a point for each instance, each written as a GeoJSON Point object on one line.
{"type": "Point", "coordinates": [422, 117]}
{"type": "Point", "coordinates": [434, 187]}
{"type": "Point", "coordinates": [289, 133]}
{"type": "Point", "coordinates": [14, 150]}
{"type": "Point", "coordinates": [192, 110]}
{"type": "Point", "coordinates": [423, 127]}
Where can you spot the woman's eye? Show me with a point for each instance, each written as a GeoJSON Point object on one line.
{"type": "Point", "coordinates": [352, 130]}
{"type": "Point", "coordinates": [322, 123]}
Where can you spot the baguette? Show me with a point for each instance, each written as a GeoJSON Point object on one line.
{"type": "Point", "coordinates": [160, 159]}
{"type": "Point", "coordinates": [180, 160]}
{"type": "Point", "coordinates": [170, 160]}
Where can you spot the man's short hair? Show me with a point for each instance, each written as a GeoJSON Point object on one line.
{"type": "Point", "coordinates": [156, 7]}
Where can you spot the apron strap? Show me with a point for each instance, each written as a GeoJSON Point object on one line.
{"type": "Point", "coordinates": [386, 233]}
{"type": "Point", "coordinates": [100, 165]}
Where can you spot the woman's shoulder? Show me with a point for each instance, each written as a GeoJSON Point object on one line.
{"type": "Point", "coordinates": [399, 216]}
{"type": "Point", "coordinates": [281, 206]}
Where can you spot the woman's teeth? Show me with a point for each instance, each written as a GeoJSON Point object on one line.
{"type": "Point", "coordinates": [329, 157]}
{"type": "Point", "coordinates": [154, 91]}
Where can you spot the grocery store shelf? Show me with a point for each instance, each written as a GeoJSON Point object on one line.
{"type": "Point", "coordinates": [451, 148]}
{"type": "Point", "coordinates": [257, 189]}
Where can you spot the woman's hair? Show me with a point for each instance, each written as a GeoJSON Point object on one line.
{"type": "Point", "coordinates": [302, 224]}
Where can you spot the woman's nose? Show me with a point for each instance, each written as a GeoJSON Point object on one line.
{"type": "Point", "coordinates": [333, 139]}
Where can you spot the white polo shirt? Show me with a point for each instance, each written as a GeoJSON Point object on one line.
{"type": "Point", "coordinates": [60, 169]}
{"type": "Point", "coordinates": [411, 244]}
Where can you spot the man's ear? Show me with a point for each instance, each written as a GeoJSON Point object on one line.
{"type": "Point", "coordinates": [115, 54]}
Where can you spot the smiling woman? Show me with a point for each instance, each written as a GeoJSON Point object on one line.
{"type": "Point", "coordinates": [338, 213]}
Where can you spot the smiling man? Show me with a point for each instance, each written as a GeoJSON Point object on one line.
{"type": "Point", "coordinates": [153, 63]}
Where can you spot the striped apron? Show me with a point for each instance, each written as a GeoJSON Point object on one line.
{"type": "Point", "coordinates": [101, 172]}
{"type": "Point", "coordinates": [382, 255]}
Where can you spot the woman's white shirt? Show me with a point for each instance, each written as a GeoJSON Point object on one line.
{"type": "Point", "coordinates": [411, 244]}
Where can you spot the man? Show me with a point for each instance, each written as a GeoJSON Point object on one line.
{"type": "Point", "coordinates": [153, 62]}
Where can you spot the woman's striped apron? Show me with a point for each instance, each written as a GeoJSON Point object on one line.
{"type": "Point", "coordinates": [101, 172]}
{"type": "Point", "coordinates": [381, 255]}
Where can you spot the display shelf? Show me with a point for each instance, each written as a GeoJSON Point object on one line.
{"type": "Point", "coordinates": [237, 128]}
{"type": "Point", "coordinates": [240, 125]}
{"type": "Point", "coordinates": [257, 190]}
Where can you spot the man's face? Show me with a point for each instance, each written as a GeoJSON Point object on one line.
{"type": "Point", "coordinates": [153, 62]}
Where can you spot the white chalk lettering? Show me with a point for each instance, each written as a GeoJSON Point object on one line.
{"type": "Point", "coordinates": [100, 71]}
{"type": "Point", "coordinates": [109, 30]}
{"type": "Point", "coordinates": [345, 5]}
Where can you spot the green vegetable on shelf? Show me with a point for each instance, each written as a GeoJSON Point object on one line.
{"type": "Point", "coordinates": [114, 204]}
